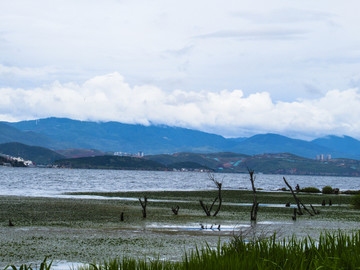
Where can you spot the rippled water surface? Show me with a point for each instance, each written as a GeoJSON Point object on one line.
{"type": "Point", "coordinates": [52, 182]}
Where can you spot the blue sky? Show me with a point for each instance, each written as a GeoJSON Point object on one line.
{"type": "Point", "coordinates": [235, 68]}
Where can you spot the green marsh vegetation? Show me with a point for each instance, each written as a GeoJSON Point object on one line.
{"type": "Point", "coordinates": [355, 201]}
{"type": "Point", "coordinates": [310, 190]}
{"type": "Point", "coordinates": [330, 251]}
{"type": "Point", "coordinates": [84, 229]}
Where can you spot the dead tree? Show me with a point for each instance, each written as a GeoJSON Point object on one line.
{"type": "Point", "coordinates": [316, 212]}
{"type": "Point", "coordinates": [143, 205]}
{"type": "Point", "coordinates": [219, 197]}
{"type": "Point", "coordinates": [255, 206]}
{"type": "Point", "coordinates": [298, 202]}
{"type": "Point", "coordinates": [175, 210]}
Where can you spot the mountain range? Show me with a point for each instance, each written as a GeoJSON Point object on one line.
{"type": "Point", "coordinates": [62, 133]}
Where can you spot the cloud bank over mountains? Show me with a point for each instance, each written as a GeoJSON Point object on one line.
{"type": "Point", "coordinates": [230, 113]}
{"type": "Point", "coordinates": [290, 49]}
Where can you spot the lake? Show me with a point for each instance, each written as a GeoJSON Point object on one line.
{"type": "Point", "coordinates": [54, 182]}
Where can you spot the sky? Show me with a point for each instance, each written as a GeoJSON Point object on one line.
{"type": "Point", "coordinates": [234, 68]}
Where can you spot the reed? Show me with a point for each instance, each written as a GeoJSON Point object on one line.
{"type": "Point", "coordinates": [43, 266]}
{"type": "Point", "coordinates": [355, 201]}
{"type": "Point", "coordinates": [330, 251]}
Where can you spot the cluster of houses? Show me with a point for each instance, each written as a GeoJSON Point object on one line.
{"type": "Point", "coordinates": [124, 154]}
{"type": "Point", "coordinates": [27, 163]}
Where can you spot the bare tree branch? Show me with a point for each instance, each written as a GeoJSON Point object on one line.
{"type": "Point", "coordinates": [298, 201]}
{"type": "Point", "coordinates": [219, 197]}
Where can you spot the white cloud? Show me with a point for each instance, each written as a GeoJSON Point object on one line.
{"type": "Point", "coordinates": [256, 45]}
{"type": "Point", "coordinates": [23, 72]}
{"type": "Point", "coordinates": [226, 112]}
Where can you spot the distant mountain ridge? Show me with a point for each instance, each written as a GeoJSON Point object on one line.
{"type": "Point", "coordinates": [37, 154]}
{"type": "Point", "coordinates": [63, 133]}
{"type": "Point", "coordinates": [281, 163]}
{"type": "Point", "coordinates": [8, 133]}
{"type": "Point", "coordinates": [114, 136]}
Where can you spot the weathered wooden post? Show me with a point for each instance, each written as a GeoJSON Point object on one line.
{"type": "Point", "coordinates": [175, 210]}
{"type": "Point", "coordinates": [255, 205]}
{"type": "Point", "coordinates": [143, 205]}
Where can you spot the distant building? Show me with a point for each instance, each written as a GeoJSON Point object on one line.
{"type": "Point", "coordinates": [124, 154]}
{"type": "Point", "coordinates": [321, 157]}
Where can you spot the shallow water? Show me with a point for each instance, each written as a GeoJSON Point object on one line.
{"type": "Point", "coordinates": [166, 239]}
{"type": "Point", "coordinates": [52, 182]}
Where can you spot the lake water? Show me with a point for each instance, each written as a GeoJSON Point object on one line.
{"type": "Point", "coordinates": [54, 182]}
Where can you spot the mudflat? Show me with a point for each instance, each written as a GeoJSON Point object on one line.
{"type": "Point", "coordinates": [87, 227]}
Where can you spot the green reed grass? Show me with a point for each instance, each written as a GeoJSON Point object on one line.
{"type": "Point", "coordinates": [43, 266]}
{"type": "Point", "coordinates": [330, 251]}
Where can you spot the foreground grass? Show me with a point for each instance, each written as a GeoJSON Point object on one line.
{"type": "Point", "coordinates": [330, 251]}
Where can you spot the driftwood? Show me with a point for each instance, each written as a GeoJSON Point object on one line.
{"type": "Point", "coordinates": [255, 205]}
{"type": "Point", "coordinates": [143, 205]}
{"type": "Point", "coordinates": [219, 197]}
{"type": "Point", "coordinates": [175, 209]}
{"type": "Point", "coordinates": [298, 201]}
